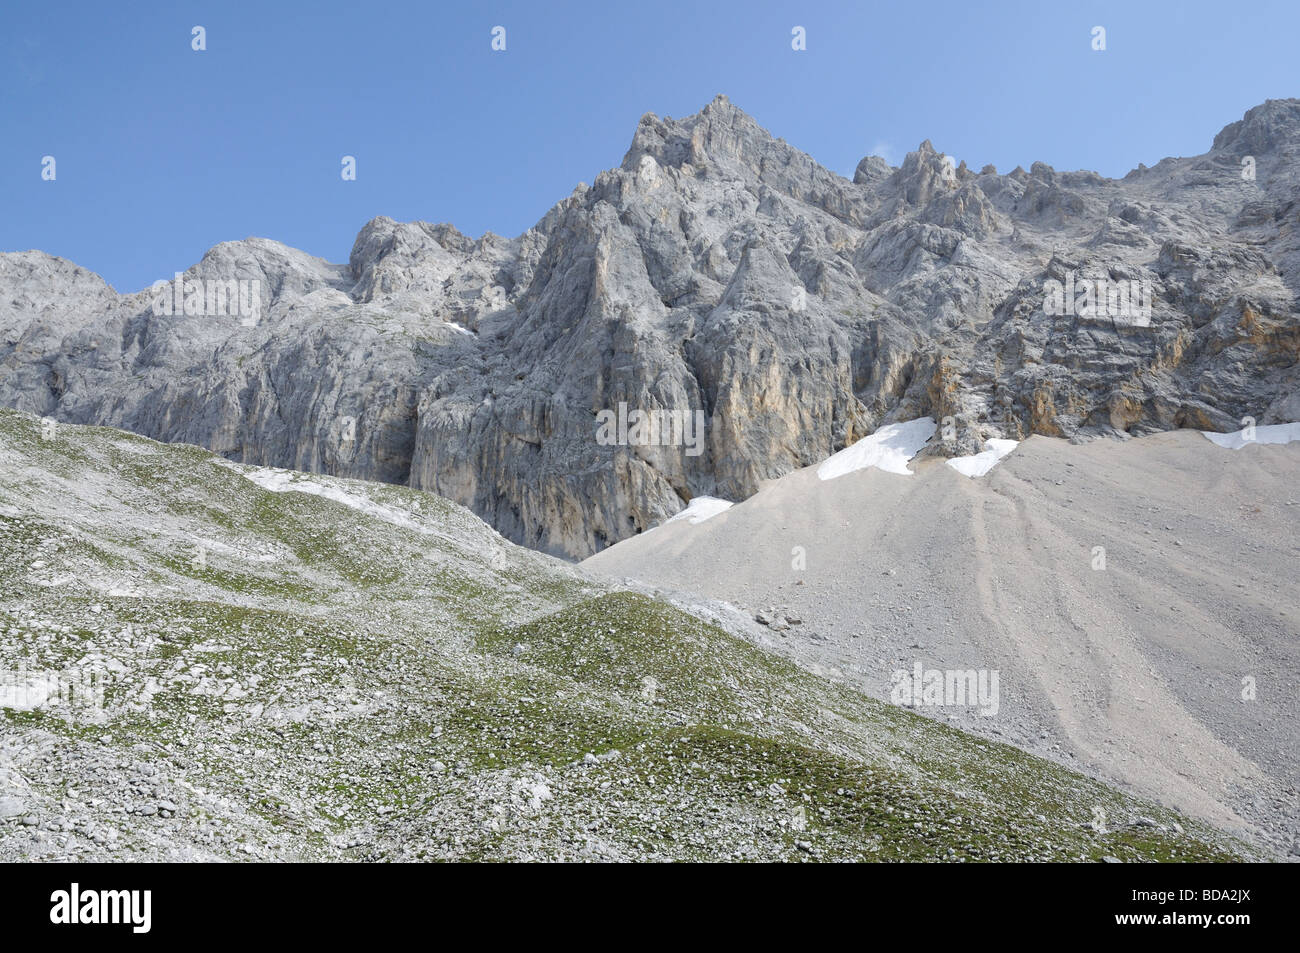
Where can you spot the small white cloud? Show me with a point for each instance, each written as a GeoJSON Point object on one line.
{"type": "Point", "coordinates": [884, 150]}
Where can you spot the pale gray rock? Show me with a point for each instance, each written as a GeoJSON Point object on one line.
{"type": "Point", "coordinates": [716, 269]}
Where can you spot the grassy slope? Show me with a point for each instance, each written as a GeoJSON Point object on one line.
{"type": "Point", "coordinates": [329, 684]}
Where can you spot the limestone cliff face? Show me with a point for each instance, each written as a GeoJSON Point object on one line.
{"type": "Point", "coordinates": [717, 269]}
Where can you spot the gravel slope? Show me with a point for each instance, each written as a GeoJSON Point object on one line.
{"type": "Point", "coordinates": [1133, 673]}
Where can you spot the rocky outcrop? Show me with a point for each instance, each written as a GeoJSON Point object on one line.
{"type": "Point", "coordinates": [715, 270]}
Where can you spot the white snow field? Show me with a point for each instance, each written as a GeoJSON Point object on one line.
{"type": "Point", "coordinates": [1271, 433]}
{"type": "Point", "coordinates": [700, 509]}
{"type": "Point", "coordinates": [889, 449]}
{"type": "Point", "coordinates": [978, 464]}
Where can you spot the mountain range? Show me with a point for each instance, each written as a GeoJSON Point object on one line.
{"type": "Point", "coordinates": [717, 270]}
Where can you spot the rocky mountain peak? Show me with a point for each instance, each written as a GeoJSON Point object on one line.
{"type": "Point", "coordinates": [721, 136]}
{"type": "Point", "coordinates": [871, 171]}
{"type": "Point", "coordinates": [1272, 126]}
{"type": "Point", "coordinates": [924, 174]}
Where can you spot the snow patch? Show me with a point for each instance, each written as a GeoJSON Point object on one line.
{"type": "Point", "coordinates": [283, 481]}
{"type": "Point", "coordinates": [888, 449]}
{"type": "Point", "coordinates": [700, 509]}
{"type": "Point", "coordinates": [458, 328]}
{"type": "Point", "coordinates": [978, 464]}
{"type": "Point", "coordinates": [1273, 433]}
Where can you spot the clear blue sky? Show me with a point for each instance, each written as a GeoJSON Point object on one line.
{"type": "Point", "coordinates": [162, 151]}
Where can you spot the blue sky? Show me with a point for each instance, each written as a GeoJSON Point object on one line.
{"type": "Point", "coordinates": [162, 151]}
